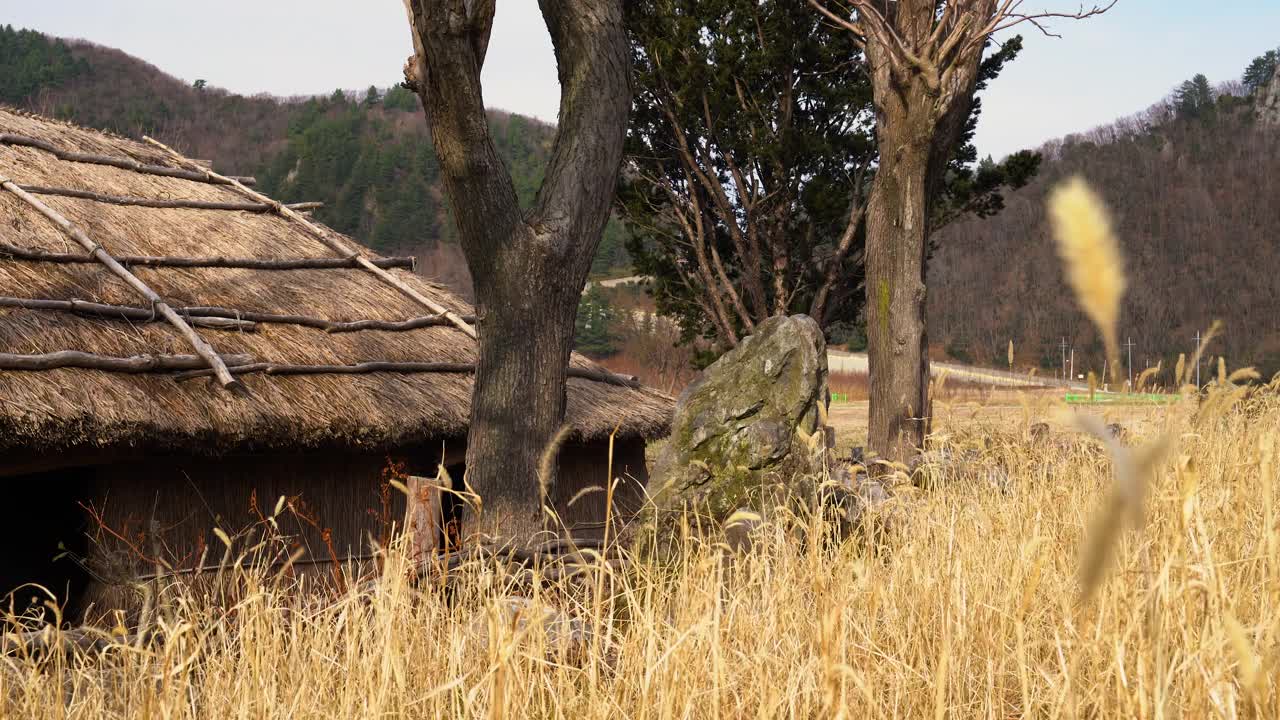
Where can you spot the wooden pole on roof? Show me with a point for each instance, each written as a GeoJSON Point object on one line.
{"type": "Point", "coordinates": [201, 347]}
{"type": "Point", "coordinates": [162, 203]}
{"type": "Point", "coordinates": [337, 245]}
{"type": "Point", "coordinates": [119, 162]}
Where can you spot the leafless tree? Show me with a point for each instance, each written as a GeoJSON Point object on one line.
{"type": "Point", "coordinates": [924, 58]}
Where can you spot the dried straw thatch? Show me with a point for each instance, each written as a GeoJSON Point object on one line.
{"type": "Point", "coordinates": [69, 406]}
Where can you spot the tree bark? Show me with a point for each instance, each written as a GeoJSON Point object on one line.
{"type": "Point", "coordinates": [897, 343]}
{"type": "Point", "coordinates": [529, 268]}
{"type": "Point", "coordinates": [917, 127]}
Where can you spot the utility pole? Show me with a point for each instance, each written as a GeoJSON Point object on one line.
{"type": "Point", "coordinates": [1197, 357]}
{"type": "Point", "coordinates": [1064, 358]}
{"type": "Point", "coordinates": [1129, 345]}
{"type": "Point", "coordinates": [1073, 364]}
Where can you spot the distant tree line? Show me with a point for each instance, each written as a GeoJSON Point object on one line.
{"type": "Point", "coordinates": [1197, 99]}
{"type": "Point", "coordinates": [30, 61]}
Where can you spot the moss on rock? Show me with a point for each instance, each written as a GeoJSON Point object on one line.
{"type": "Point", "coordinates": [743, 427]}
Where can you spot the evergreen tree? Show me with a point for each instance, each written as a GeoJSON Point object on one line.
{"type": "Point", "coordinates": [1260, 71]}
{"type": "Point", "coordinates": [595, 330]}
{"type": "Point", "coordinates": [400, 98]}
{"type": "Point", "coordinates": [751, 149]}
{"type": "Point", "coordinates": [612, 257]}
{"type": "Point", "coordinates": [1194, 99]}
{"type": "Point", "coordinates": [30, 61]}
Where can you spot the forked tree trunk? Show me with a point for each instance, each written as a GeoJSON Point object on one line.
{"type": "Point", "coordinates": [924, 58]}
{"type": "Point", "coordinates": [526, 330]}
{"type": "Point", "coordinates": [528, 267]}
{"type": "Point", "coordinates": [916, 129]}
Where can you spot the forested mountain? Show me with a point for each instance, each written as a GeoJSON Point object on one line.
{"type": "Point", "coordinates": [1193, 183]}
{"type": "Point", "coordinates": [366, 155]}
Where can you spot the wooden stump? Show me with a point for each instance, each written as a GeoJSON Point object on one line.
{"type": "Point", "coordinates": [423, 522]}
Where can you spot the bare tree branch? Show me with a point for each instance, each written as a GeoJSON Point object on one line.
{"type": "Point", "coordinates": [831, 273]}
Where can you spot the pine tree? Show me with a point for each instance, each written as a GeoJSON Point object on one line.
{"type": "Point", "coordinates": [752, 149]}
{"type": "Point", "coordinates": [400, 98]}
{"type": "Point", "coordinates": [595, 331]}
{"type": "Point", "coordinates": [1260, 71]}
{"type": "Point", "coordinates": [1194, 98]}
{"type": "Point", "coordinates": [30, 61]}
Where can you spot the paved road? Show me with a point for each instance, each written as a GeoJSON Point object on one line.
{"type": "Point", "coordinates": [615, 282]}
{"type": "Point", "coordinates": [840, 361]}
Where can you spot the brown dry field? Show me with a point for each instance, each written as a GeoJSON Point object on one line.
{"type": "Point", "coordinates": [1005, 411]}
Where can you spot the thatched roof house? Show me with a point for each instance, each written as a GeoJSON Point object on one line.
{"type": "Point", "coordinates": [128, 421]}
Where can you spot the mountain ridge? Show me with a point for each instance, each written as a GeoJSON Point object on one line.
{"type": "Point", "coordinates": [368, 157]}
{"type": "Point", "coordinates": [1188, 182]}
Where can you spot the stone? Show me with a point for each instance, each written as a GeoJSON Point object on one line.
{"type": "Point", "coordinates": [564, 635]}
{"type": "Point", "coordinates": [750, 423]}
{"type": "Point", "coordinates": [1039, 433]}
{"type": "Point", "coordinates": [852, 498]}
{"type": "Point", "coordinates": [1267, 102]}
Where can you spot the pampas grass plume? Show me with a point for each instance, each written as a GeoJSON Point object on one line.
{"type": "Point", "coordinates": [1088, 248]}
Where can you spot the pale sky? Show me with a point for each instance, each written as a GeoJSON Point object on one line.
{"type": "Point", "coordinates": [1103, 68]}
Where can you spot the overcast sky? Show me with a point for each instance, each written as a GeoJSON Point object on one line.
{"type": "Point", "coordinates": [1103, 68]}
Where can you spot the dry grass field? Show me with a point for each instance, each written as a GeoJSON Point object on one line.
{"type": "Point", "coordinates": [973, 409]}
{"type": "Point", "coordinates": [970, 606]}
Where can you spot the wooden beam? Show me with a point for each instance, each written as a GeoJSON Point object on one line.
{"type": "Point", "coordinates": [202, 348]}
{"type": "Point", "coordinates": [109, 363]}
{"type": "Point", "coordinates": [223, 318]}
{"type": "Point", "coordinates": [320, 323]}
{"type": "Point", "coordinates": [337, 245]}
{"type": "Point", "coordinates": [123, 312]}
{"type": "Point", "coordinates": [321, 263]}
{"type": "Point", "coordinates": [357, 369]}
{"type": "Point", "coordinates": [602, 376]}
{"type": "Point", "coordinates": [120, 162]}
{"type": "Point", "coordinates": [158, 203]}
{"type": "Point", "coordinates": [333, 326]}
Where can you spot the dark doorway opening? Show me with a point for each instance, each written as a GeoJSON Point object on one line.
{"type": "Point", "coordinates": [451, 505]}
{"type": "Point", "coordinates": [45, 542]}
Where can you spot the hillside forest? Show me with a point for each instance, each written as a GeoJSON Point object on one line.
{"type": "Point", "coordinates": [366, 155]}
{"type": "Point", "coordinates": [1189, 181]}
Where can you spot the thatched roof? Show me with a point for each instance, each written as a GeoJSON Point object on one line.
{"type": "Point", "coordinates": [73, 406]}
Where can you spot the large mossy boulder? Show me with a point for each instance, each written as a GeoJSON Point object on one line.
{"type": "Point", "coordinates": [748, 424]}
